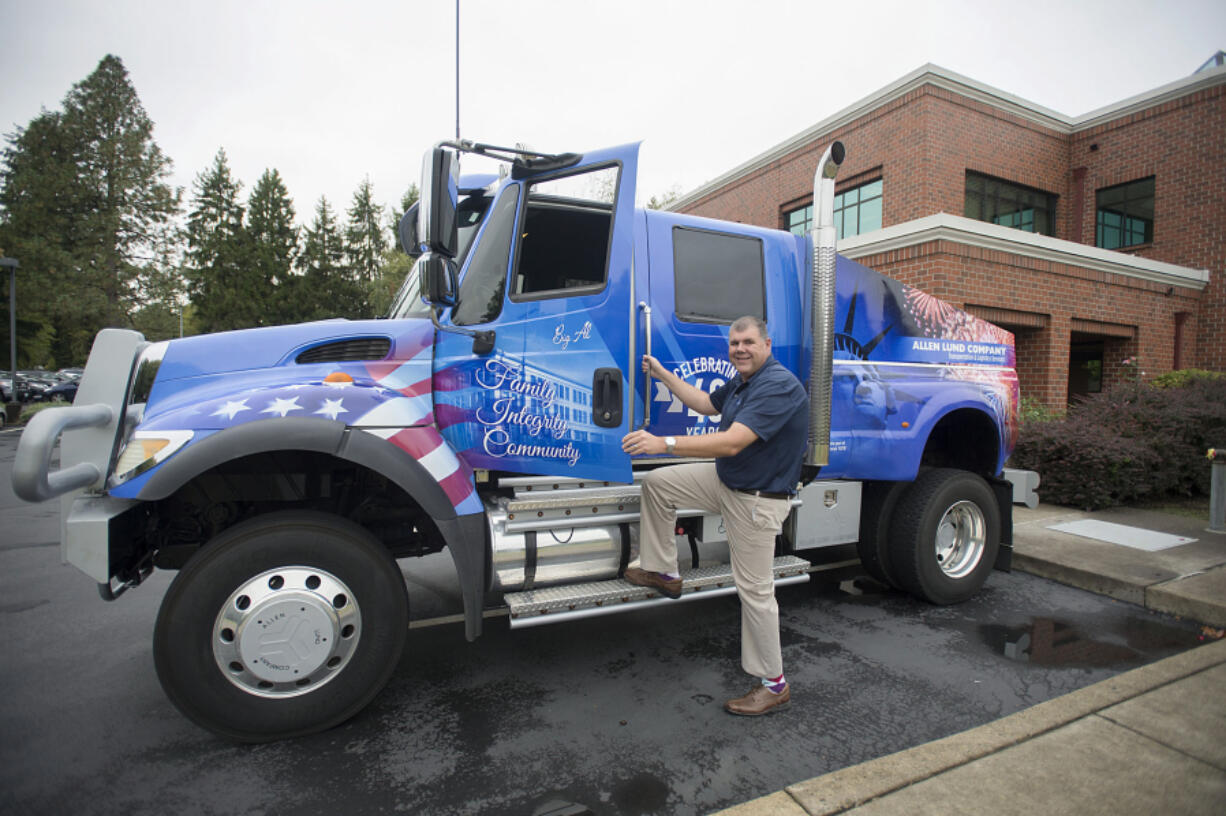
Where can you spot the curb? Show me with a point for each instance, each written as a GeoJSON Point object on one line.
{"type": "Point", "coordinates": [841, 790]}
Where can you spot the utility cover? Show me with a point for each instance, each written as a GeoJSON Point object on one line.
{"type": "Point", "coordinates": [1135, 537]}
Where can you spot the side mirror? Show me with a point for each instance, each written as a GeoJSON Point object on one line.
{"type": "Point", "coordinates": [439, 279]}
{"type": "Point", "coordinates": [438, 224]}
{"type": "Point", "coordinates": [410, 240]}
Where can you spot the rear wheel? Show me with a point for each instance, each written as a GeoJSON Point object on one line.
{"type": "Point", "coordinates": [944, 536]}
{"type": "Point", "coordinates": [284, 625]}
{"type": "Point", "coordinates": [877, 503]}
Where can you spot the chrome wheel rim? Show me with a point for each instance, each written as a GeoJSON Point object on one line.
{"type": "Point", "coordinates": [961, 538]}
{"type": "Point", "coordinates": [286, 631]}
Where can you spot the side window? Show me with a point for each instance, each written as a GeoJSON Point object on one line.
{"type": "Point", "coordinates": [1124, 214]}
{"type": "Point", "coordinates": [717, 277]}
{"type": "Point", "coordinates": [564, 246]}
{"type": "Point", "coordinates": [481, 292]}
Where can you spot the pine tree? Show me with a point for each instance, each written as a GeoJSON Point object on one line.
{"type": "Point", "coordinates": [274, 245]}
{"type": "Point", "coordinates": [395, 265]}
{"type": "Point", "coordinates": [365, 240]}
{"type": "Point", "coordinates": [218, 251]}
{"type": "Point", "coordinates": [86, 203]}
{"type": "Point", "coordinates": [326, 287]}
{"type": "Point", "coordinates": [407, 200]}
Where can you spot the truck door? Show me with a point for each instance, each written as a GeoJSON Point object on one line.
{"type": "Point", "coordinates": [698, 280]}
{"type": "Point", "coordinates": [550, 277]}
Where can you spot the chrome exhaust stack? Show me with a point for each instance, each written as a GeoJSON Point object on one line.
{"type": "Point", "coordinates": [822, 294]}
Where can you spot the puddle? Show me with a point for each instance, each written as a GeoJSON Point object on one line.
{"type": "Point", "coordinates": [1050, 642]}
{"type": "Point", "coordinates": [641, 794]}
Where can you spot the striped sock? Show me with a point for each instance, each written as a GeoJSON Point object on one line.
{"type": "Point", "coordinates": [775, 684]}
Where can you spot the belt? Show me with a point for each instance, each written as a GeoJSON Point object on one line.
{"type": "Point", "coordinates": [763, 493]}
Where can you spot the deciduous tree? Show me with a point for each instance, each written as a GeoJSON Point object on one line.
{"type": "Point", "coordinates": [86, 204]}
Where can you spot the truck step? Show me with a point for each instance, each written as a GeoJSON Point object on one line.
{"type": "Point", "coordinates": [557, 604]}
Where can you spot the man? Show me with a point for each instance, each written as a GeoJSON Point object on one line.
{"type": "Point", "coordinates": [758, 449]}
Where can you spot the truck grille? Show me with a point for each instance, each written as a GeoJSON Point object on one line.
{"type": "Point", "coordinates": [348, 351]}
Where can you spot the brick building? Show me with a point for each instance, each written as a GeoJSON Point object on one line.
{"type": "Point", "coordinates": [1092, 238]}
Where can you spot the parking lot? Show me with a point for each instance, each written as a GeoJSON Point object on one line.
{"type": "Point", "coordinates": [622, 714]}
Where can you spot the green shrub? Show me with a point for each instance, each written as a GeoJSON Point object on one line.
{"type": "Point", "coordinates": [1132, 443]}
{"type": "Point", "coordinates": [1032, 410]}
{"type": "Point", "coordinates": [1184, 377]}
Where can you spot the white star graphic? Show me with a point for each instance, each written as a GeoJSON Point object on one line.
{"type": "Point", "coordinates": [332, 408]}
{"type": "Point", "coordinates": [231, 408]}
{"type": "Point", "coordinates": [282, 406]}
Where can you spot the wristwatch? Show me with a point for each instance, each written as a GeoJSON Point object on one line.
{"type": "Point", "coordinates": [670, 442]}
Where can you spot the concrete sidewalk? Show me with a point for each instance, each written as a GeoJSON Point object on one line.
{"type": "Point", "coordinates": [1152, 740]}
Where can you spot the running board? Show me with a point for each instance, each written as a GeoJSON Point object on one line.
{"type": "Point", "coordinates": [557, 604]}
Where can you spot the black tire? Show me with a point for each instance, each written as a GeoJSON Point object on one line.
{"type": "Point", "coordinates": [944, 536]}
{"type": "Point", "coordinates": [328, 589]}
{"type": "Point", "coordinates": [877, 503]}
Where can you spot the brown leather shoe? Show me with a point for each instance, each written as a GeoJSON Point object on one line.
{"type": "Point", "coordinates": [654, 580]}
{"type": "Point", "coordinates": [759, 701]}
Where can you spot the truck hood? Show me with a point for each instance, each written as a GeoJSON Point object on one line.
{"type": "Point", "coordinates": [369, 373]}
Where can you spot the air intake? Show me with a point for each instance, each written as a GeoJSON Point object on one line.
{"type": "Point", "coordinates": [348, 351]}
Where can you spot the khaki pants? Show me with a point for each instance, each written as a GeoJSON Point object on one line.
{"type": "Point", "coordinates": [752, 522]}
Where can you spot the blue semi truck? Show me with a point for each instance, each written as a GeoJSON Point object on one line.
{"type": "Point", "coordinates": [291, 474]}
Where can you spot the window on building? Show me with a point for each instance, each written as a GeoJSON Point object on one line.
{"type": "Point", "coordinates": [856, 211]}
{"type": "Point", "coordinates": [1010, 205]}
{"type": "Point", "coordinates": [800, 220]}
{"type": "Point", "coordinates": [1125, 214]}
{"type": "Point", "coordinates": [717, 277]}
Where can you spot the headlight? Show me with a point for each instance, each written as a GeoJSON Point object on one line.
{"type": "Point", "coordinates": [145, 450]}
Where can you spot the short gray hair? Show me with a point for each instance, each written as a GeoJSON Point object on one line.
{"type": "Point", "coordinates": [743, 323]}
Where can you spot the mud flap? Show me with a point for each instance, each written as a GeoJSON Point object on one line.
{"type": "Point", "coordinates": [1003, 491]}
{"type": "Point", "coordinates": [465, 537]}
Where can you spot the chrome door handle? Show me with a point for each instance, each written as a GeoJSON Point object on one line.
{"type": "Point", "coordinates": [646, 310]}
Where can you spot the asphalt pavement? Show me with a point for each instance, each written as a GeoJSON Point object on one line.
{"type": "Point", "coordinates": [1151, 740]}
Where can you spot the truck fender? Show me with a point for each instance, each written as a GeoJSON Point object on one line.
{"type": "Point", "coordinates": [464, 534]}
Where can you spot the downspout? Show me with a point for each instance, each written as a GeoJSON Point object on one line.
{"type": "Point", "coordinates": [821, 363]}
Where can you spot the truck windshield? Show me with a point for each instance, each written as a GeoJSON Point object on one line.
{"type": "Point", "coordinates": [471, 213]}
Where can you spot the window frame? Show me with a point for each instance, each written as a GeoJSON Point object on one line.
{"type": "Point", "coordinates": [1099, 210]}
{"type": "Point", "coordinates": [1051, 198]}
{"type": "Point", "coordinates": [840, 198]}
{"type": "Point", "coordinates": [512, 189]}
{"type": "Point", "coordinates": [708, 319]}
{"type": "Point", "coordinates": [575, 291]}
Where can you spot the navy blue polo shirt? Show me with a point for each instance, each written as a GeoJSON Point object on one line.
{"type": "Point", "coordinates": [773, 405]}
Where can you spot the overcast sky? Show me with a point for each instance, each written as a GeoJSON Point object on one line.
{"type": "Point", "coordinates": [330, 92]}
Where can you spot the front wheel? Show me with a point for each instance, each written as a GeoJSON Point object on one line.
{"type": "Point", "coordinates": [283, 625]}
{"type": "Point", "coordinates": [944, 536]}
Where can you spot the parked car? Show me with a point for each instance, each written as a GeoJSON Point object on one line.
{"type": "Point", "coordinates": [35, 383]}
{"type": "Point", "coordinates": [65, 391]}
{"type": "Point", "coordinates": [6, 387]}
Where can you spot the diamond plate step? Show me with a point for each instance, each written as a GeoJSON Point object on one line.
{"type": "Point", "coordinates": [556, 604]}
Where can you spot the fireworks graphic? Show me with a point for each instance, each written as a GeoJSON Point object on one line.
{"type": "Point", "coordinates": [936, 318]}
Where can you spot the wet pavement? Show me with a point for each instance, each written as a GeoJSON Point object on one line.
{"type": "Point", "coordinates": [621, 714]}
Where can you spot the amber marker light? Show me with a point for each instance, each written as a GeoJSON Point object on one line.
{"type": "Point", "coordinates": [338, 377]}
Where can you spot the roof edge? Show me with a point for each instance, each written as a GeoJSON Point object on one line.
{"type": "Point", "coordinates": [969, 232]}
